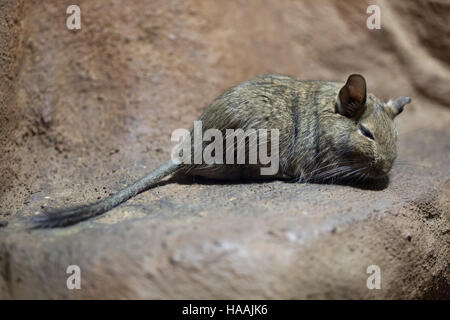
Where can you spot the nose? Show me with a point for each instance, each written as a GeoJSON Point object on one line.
{"type": "Point", "coordinates": [387, 166]}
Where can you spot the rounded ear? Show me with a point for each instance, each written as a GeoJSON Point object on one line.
{"type": "Point", "coordinates": [395, 107]}
{"type": "Point", "coordinates": [351, 100]}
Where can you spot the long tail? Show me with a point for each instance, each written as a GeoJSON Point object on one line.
{"type": "Point", "coordinates": [69, 216]}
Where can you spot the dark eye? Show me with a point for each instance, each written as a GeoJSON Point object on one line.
{"type": "Point", "coordinates": [366, 132]}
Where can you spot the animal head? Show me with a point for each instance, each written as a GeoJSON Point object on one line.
{"type": "Point", "coordinates": [368, 135]}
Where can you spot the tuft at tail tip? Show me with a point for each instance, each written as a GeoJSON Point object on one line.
{"type": "Point", "coordinates": [58, 218]}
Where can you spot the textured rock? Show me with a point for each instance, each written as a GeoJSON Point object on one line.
{"type": "Point", "coordinates": [84, 113]}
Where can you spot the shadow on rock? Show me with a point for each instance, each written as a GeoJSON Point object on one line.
{"type": "Point", "coordinates": [367, 184]}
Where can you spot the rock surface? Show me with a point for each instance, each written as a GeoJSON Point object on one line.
{"type": "Point", "coordinates": [83, 113]}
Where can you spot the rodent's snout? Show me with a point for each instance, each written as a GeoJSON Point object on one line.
{"type": "Point", "coordinates": [383, 168]}
{"type": "Point", "coordinates": [379, 168]}
{"type": "Point", "coordinates": [386, 168]}
{"type": "Point", "coordinates": [378, 172]}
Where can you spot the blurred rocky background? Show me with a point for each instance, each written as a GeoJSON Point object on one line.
{"type": "Point", "coordinates": [85, 112]}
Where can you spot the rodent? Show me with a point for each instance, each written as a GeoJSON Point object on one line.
{"type": "Point", "coordinates": [328, 131]}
